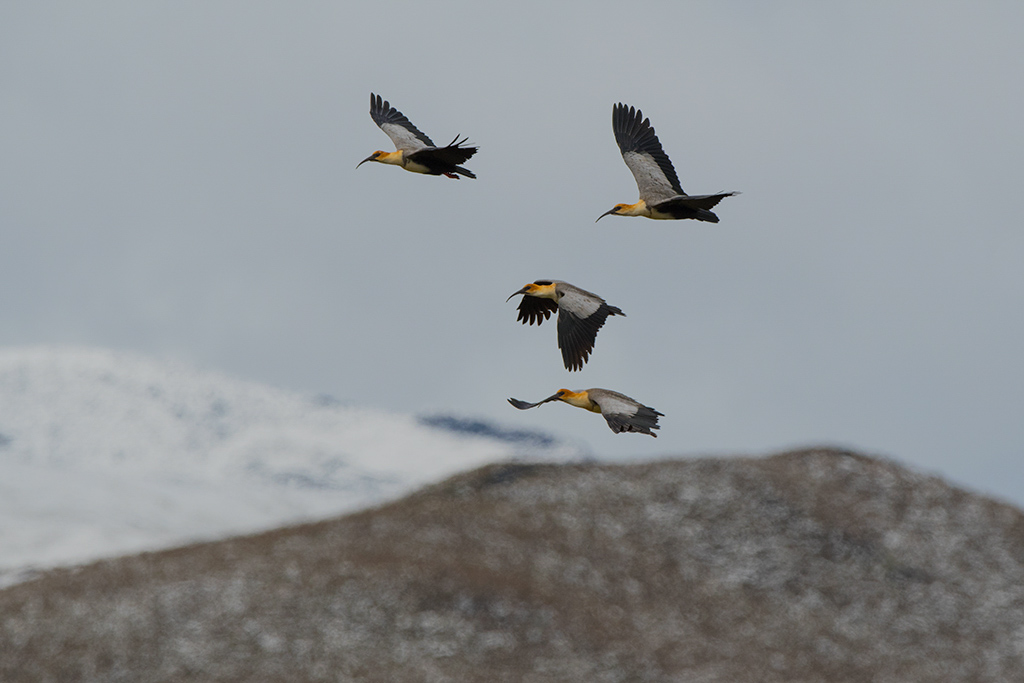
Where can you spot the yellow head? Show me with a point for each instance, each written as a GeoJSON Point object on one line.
{"type": "Point", "coordinates": [638, 209]}
{"type": "Point", "coordinates": [544, 289]}
{"type": "Point", "coordinates": [580, 399]}
{"type": "Point", "coordinates": [382, 157]}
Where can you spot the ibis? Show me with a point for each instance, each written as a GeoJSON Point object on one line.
{"type": "Point", "coordinates": [661, 196]}
{"type": "Point", "coordinates": [622, 413]}
{"type": "Point", "coordinates": [414, 151]}
{"type": "Point", "coordinates": [580, 315]}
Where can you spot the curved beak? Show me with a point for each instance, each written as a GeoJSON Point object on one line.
{"type": "Point", "coordinates": [521, 291]}
{"type": "Point", "coordinates": [606, 213]}
{"type": "Point", "coordinates": [369, 158]}
{"type": "Point", "coordinates": [523, 405]}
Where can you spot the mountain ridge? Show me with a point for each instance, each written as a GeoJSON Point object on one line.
{"type": "Point", "coordinates": [808, 565]}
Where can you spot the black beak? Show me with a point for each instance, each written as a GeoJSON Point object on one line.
{"type": "Point", "coordinates": [521, 291]}
{"type": "Point", "coordinates": [606, 213]}
{"type": "Point", "coordinates": [369, 158]}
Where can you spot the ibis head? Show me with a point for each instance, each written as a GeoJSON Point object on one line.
{"type": "Point", "coordinates": [382, 157]}
{"type": "Point", "coordinates": [541, 288]}
{"type": "Point", "coordinates": [580, 399]}
{"type": "Point", "coordinates": [638, 209]}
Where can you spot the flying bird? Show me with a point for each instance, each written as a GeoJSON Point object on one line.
{"type": "Point", "coordinates": [580, 315]}
{"type": "Point", "coordinates": [622, 413]}
{"type": "Point", "coordinates": [414, 151]}
{"type": "Point", "coordinates": [661, 196]}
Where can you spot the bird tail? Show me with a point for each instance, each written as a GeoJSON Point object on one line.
{"type": "Point", "coordinates": [469, 174]}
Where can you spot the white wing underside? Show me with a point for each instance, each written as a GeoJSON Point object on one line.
{"type": "Point", "coordinates": [613, 405]}
{"type": "Point", "coordinates": [403, 138]}
{"type": "Point", "coordinates": [581, 305]}
{"type": "Point", "coordinates": [650, 181]}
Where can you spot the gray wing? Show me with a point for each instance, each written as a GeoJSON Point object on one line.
{"type": "Point", "coordinates": [655, 177]}
{"type": "Point", "coordinates": [523, 405]}
{"type": "Point", "coordinates": [406, 136]}
{"type": "Point", "coordinates": [623, 414]}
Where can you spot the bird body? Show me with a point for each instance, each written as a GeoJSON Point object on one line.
{"type": "Point", "coordinates": [661, 195]}
{"type": "Point", "coordinates": [580, 315]}
{"type": "Point", "coordinates": [622, 413]}
{"type": "Point", "coordinates": [414, 151]}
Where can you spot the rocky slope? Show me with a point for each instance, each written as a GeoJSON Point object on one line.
{"type": "Point", "coordinates": [805, 566]}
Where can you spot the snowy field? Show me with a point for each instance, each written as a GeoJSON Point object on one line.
{"type": "Point", "coordinates": [104, 453]}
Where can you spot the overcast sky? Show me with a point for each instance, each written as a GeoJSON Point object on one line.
{"type": "Point", "coordinates": [178, 179]}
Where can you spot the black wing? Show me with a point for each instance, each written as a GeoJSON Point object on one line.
{"type": "Point", "coordinates": [696, 206]}
{"type": "Point", "coordinates": [698, 201]}
{"type": "Point", "coordinates": [535, 310]}
{"type": "Point", "coordinates": [451, 155]}
{"type": "Point", "coordinates": [576, 335]}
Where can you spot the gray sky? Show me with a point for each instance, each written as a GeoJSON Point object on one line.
{"type": "Point", "coordinates": [179, 179]}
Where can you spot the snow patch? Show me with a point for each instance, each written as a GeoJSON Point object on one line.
{"type": "Point", "coordinates": [105, 453]}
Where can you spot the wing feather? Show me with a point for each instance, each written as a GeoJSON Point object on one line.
{"type": "Point", "coordinates": [576, 335]}
{"type": "Point", "coordinates": [534, 310]}
{"type": "Point", "coordinates": [450, 155]}
{"type": "Point", "coordinates": [524, 405]}
{"type": "Point", "coordinates": [406, 136]}
{"type": "Point", "coordinates": [699, 201]}
{"type": "Point", "coordinates": [655, 176]}
{"type": "Point", "coordinates": [624, 414]}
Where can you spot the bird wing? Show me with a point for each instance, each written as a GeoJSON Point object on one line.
{"type": "Point", "coordinates": [523, 405]}
{"type": "Point", "coordinates": [580, 315]}
{"type": "Point", "coordinates": [406, 136]}
{"type": "Point", "coordinates": [698, 201]}
{"type": "Point", "coordinates": [641, 150]}
{"type": "Point", "coordinates": [623, 414]}
{"type": "Point", "coordinates": [452, 154]}
{"type": "Point", "coordinates": [535, 310]}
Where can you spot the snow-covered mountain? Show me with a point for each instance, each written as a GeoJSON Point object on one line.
{"type": "Point", "coordinates": [103, 453]}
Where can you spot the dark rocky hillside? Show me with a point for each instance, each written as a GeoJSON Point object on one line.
{"type": "Point", "coordinates": [815, 565]}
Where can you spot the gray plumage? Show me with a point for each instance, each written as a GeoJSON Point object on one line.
{"type": "Point", "coordinates": [419, 154]}
{"type": "Point", "coordinates": [622, 413]}
{"type": "Point", "coordinates": [580, 315]}
{"type": "Point", "coordinates": [396, 126]}
{"type": "Point", "coordinates": [656, 178]}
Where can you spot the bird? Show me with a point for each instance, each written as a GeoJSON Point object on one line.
{"type": "Point", "coordinates": [414, 151]}
{"type": "Point", "coordinates": [661, 196]}
{"type": "Point", "coordinates": [580, 315]}
{"type": "Point", "coordinates": [622, 413]}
